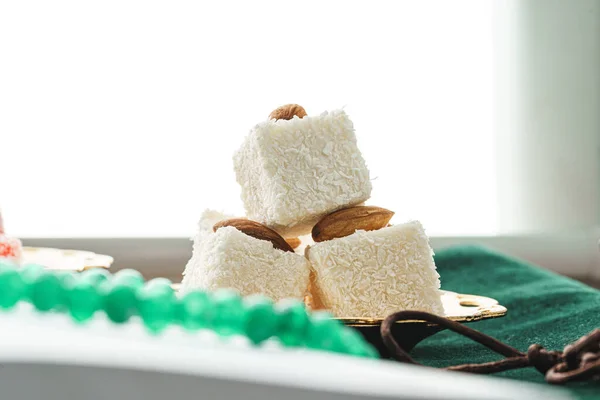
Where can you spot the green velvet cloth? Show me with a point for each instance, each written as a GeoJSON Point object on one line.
{"type": "Point", "coordinates": [543, 308]}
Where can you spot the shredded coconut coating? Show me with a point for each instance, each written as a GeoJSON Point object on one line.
{"type": "Point", "coordinates": [11, 249]}
{"type": "Point", "coordinates": [293, 172]}
{"type": "Point", "coordinates": [373, 274]}
{"type": "Point", "coordinates": [229, 258]}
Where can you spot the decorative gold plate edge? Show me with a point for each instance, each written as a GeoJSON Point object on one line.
{"type": "Point", "coordinates": [475, 307]}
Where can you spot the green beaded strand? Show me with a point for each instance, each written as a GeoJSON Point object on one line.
{"type": "Point", "coordinates": [124, 295]}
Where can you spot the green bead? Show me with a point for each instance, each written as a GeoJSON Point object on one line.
{"type": "Point", "coordinates": [177, 312]}
{"type": "Point", "coordinates": [84, 300]}
{"type": "Point", "coordinates": [156, 304]}
{"type": "Point", "coordinates": [95, 275]}
{"type": "Point", "coordinates": [261, 319]}
{"type": "Point", "coordinates": [31, 271]}
{"type": "Point", "coordinates": [195, 310]}
{"type": "Point", "coordinates": [324, 332]}
{"type": "Point", "coordinates": [46, 292]}
{"type": "Point", "coordinates": [66, 278]}
{"type": "Point", "coordinates": [129, 277]}
{"type": "Point", "coordinates": [119, 301]}
{"type": "Point", "coordinates": [371, 351]}
{"type": "Point", "coordinates": [228, 312]}
{"type": "Point", "coordinates": [67, 281]}
{"type": "Point", "coordinates": [293, 322]}
{"type": "Point", "coordinates": [13, 287]}
{"type": "Point", "coordinates": [160, 282]}
{"type": "Point", "coordinates": [355, 344]}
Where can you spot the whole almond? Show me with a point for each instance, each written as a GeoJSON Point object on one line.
{"type": "Point", "coordinates": [293, 242]}
{"type": "Point", "coordinates": [256, 230]}
{"type": "Point", "coordinates": [287, 112]}
{"type": "Point", "coordinates": [348, 220]}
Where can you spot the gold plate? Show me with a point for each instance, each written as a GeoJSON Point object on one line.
{"type": "Point", "coordinates": [65, 260]}
{"type": "Point", "coordinates": [457, 307]}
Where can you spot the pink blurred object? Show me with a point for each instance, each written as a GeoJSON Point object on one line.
{"type": "Point", "coordinates": [10, 248]}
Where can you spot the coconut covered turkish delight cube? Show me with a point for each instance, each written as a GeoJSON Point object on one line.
{"type": "Point", "coordinates": [372, 274]}
{"type": "Point", "coordinates": [229, 258]}
{"type": "Point", "coordinates": [293, 172]}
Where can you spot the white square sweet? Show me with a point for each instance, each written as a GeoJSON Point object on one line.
{"type": "Point", "coordinates": [373, 274]}
{"type": "Point", "coordinates": [229, 258]}
{"type": "Point", "coordinates": [292, 172]}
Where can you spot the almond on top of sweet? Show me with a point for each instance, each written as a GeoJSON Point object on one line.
{"type": "Point", "coordinates": [256, 230]}
{"type": "Point", "coordinates": [346, 221]}
{"type": "Point", "coordinates": [288, 112]}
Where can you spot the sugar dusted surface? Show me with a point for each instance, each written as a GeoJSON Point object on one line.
{"type": "Point", "coordinates": [229, 258]}
{"type": "Point", "coordinates": [292, 172]}
{"type": "Point", "coordinates": [373, 274]}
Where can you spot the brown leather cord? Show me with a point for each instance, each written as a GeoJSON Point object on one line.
{"type": "Point", "coordinates": [578, 361]}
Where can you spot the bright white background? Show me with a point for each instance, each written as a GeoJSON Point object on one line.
{"type": "Point", "coordinates": [119, 118]}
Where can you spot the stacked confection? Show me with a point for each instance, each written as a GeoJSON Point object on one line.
{"type": "Point", "coordinates": [10, 247]}
{"type": "Point", "coordinates": [304, 176]}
